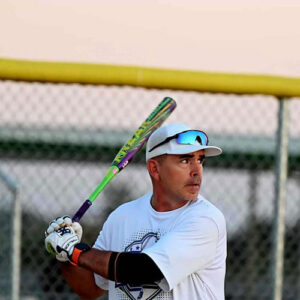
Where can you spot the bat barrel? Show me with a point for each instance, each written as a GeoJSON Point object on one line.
{"type": "Point", "coordinates": [129, 150]}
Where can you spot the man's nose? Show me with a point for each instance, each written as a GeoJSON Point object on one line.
{"type": "Point", "coordinates": [196, 169]}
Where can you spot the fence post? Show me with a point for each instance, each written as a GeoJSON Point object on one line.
{"type": "Point", "coordinates": [280, 198]}
{"type": "Point", "coordinates": [16, 235]}
{"type": "Point", "coordinates": [16, 246]}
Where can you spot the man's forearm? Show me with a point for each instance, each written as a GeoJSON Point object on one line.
{"type": "Point", "coordinates": [124, 267]}
{"type": "Point", "coordinates": [82, 281]}
{"type": "Point", "coordinates": [96, 261]}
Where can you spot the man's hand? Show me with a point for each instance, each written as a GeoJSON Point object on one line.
{"type": "Point", "coordinates": [62, 222]}
{"type": "Point", "coordinates": [61, 237]}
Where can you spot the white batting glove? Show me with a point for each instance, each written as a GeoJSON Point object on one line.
{"type": "Point", "coordinates": [60, 239]}
{"type": "Point", "coordinates": [61, 243]}
{"type": "Point", "coordinates": [64, 221]}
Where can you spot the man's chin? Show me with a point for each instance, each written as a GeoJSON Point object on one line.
{"type": "Point", "coordinates": [193, 193]}
{"type": "Point", "coordinates": [192, 196]}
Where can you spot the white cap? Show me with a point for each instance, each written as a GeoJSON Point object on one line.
{"type": "Point", "coordinates": [172, 147]}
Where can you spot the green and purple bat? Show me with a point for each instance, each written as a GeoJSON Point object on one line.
{"type": "Point", "coordinates": [130, 149]}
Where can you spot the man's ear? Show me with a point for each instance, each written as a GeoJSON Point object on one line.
{"type": "Point", "coordinates": [153, 168]}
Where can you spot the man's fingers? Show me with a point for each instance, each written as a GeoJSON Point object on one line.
{"type": "Point", "coordinates": [78, 229]}
{"type": "Point", "coordinates": [64, 221]}
{"type": "Point", "coordinates": [67, 221]}
{"type": "Point", "coordinates": [52, 227]}
{"type": "Point", "coordinates": [61, 222]}
{"type": "Point", "coordinates": [58, 223]}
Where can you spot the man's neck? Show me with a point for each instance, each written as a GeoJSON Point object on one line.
{"type": "Point", "coordinates": [162, 204]}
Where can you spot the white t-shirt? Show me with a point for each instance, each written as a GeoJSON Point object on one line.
{"type": "Point", "coordinates": [187, 244]}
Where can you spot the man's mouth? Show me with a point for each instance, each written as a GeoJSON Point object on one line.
{"type": "Point", "coordinates": [194, 185]}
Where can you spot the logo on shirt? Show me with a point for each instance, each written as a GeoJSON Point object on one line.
{"type": "Point", "coordinates": [149, 291]}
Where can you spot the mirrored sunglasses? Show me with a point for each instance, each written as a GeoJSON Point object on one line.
{"type": "Point", "coordinates": [188, 137]}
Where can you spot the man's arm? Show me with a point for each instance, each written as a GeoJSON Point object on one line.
{"type": "Point", "coordinates": [96, 261]}
{"type": "Point", "coordinates": [124, 267]}
{"type": "Point", "coordinates": [61, 236]}
{"type": "Point", "coordinates": [131, 268]}
{"type": "Point", "coordinates": [82, 281]}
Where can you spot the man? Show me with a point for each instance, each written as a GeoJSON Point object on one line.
{"type": "Point", "coordinates": [168, 244]}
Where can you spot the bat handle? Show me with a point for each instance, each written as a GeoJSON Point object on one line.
{"type": "Point", "coordinates": [81, 211]}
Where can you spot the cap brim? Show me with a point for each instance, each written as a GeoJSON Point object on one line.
{"type": "Point", "coordinates": [208, 150]}
{"type": "Point", "coordinates": [183, 149]}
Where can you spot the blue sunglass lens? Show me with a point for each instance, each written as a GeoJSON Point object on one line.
{"type": "Point", "coordinates": [190, 137]}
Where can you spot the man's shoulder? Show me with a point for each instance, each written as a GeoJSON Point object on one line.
{"type": "Point", "coordinates": [131, 206]}
{"type": "Point", "coordinates": [204, 208]}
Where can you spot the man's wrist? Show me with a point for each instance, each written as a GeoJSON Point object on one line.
{"type": "Point", "coordinates": [78, 250]}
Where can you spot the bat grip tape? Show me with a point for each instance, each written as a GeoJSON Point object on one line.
{"type": "Point", "coordinates": [81, 211]}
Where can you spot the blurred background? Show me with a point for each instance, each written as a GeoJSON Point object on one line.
{"type": "Point", "coordinates": [257, 36]}
{"type": "Point", "coordinates": [58, 139]}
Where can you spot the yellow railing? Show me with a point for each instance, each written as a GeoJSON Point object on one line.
{"type": "Point", "coordinates": [24, 70]}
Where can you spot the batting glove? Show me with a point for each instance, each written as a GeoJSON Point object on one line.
{"type": "Point", "coordinates": [61, 243]}
{"type": "Point", "coordinates": [62, 222]}
{"type": "Point", "coordinates": [61, 237]}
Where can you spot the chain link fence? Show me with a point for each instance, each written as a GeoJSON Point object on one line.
{"type": "Point", "coordinates": [57, 141]}
{"type": "Point", "coordinates": [6, 201]}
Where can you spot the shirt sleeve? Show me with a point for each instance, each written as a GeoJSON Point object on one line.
{"type": "Point", "coordinates": [100, 244]}
{"type": "Point", "coordinates": [190, 247]}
